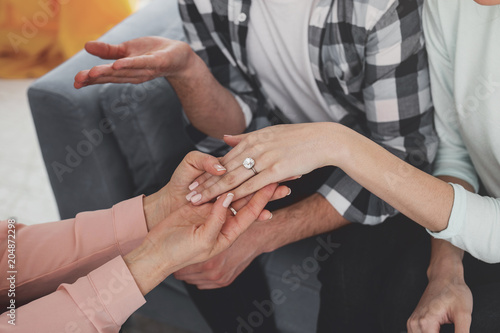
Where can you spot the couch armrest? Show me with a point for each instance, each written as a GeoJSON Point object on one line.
{"type": "Point", "coordinates": [86, 168]}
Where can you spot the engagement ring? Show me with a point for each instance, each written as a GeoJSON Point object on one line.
{"type": "Point", "coordinates": [248, 163]}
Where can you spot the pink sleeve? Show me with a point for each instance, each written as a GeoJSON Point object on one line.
{"type": "Point", "coordinates": [60, 252]}
{"type": "Point", "coordinates": [98, 302]}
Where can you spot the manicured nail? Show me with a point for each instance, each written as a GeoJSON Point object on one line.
{"type": "Point", "coordinates": [196, 198]}
{"type": "Point", "coordinates": [219, 167]}
{"type": "Point", "coordinates": [228, 200]}
{"type": "Point", "coordinates": [270, 217]}
{"type": "Point", "coordinates": [193, 186]}
{"type": "Point", "coordinates": [190, 195]}
{"type": "Point", "coordinates": [289, 191]}
{"type": "Point", "coordinates": [227, 135]}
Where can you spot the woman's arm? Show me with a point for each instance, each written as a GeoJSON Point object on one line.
{"type": "Point", "coordinates": [285, 151]}
{"type": "Point", "coordinates": [49, 254]}
{"type": "Point", "coordinates": [103, 300]}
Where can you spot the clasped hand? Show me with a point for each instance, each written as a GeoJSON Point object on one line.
{"type": "Point", "coordinates": [181, 234]}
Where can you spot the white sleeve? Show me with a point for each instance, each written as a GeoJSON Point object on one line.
{"type": "Point", "coordinates": [452, 158]}
{"type": "Point", "coordinates": [474, 225]}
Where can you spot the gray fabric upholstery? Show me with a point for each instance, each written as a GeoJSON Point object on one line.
{"type": "Point", "coordinates": [146, 120]}
{"type": "Point", "coordinates": [92, 166]}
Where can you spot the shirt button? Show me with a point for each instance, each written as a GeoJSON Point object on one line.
{"type": "Point", "coordinates": [242, 17]}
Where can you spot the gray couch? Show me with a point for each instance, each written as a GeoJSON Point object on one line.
{"type": "Point", "coordinates": [104, 144]}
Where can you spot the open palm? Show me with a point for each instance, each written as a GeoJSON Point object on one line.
{"type": "Point", "coordinates": [137, 60]}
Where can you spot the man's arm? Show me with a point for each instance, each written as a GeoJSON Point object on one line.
{"type": "Point", "coordinates": [209, 106]}
{"type": "Point", "coordinates": [311, 216]}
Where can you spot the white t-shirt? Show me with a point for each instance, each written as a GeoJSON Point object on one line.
{"type": "Point", "coordinates": [277, 45]}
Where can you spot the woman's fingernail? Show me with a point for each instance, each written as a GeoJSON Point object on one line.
{"type": "Point", "coordinates": [227, 135]}
{"type": "Point", "coordinates": [196, 198]}
{"type": "Point", "coordinates": [190, 195]}
{"type": "Point", "coordinates": [219, 167]}
{"type": "Point", "coordinates": [289, 191]}
{"type": "Point", "coordinates": [193, 186]}
{"type": "Point", "coordinates": [270, 217]}
{"type": "Point", "coordinates": [228, 200]}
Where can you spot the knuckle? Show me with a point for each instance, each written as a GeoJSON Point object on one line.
{"type": "Point", "coordinates": [424, 322]}
{"type": "Point", "coordinates": [224, 283]}
{"type": "Point", "coordinates": [214, 276]}
{"type": "Point", "coordinates": [411, 323]}
{"type": "Point", "coordinates": [230, 179]}
{"type": "Point", "coordinates": [208, 266]}
{"type": "Point", "coordinates": [259, 148]}
{"type": "Point", "coordinates": [275, 168]}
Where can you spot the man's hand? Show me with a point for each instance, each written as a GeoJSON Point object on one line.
{"type": "Point", "coordinates": [306, 218]}
{"type": "Point", "coordinates": [209, 106]}
{"type": "Point", "coordinates": [443, 302]}
{"type": "Point", "coordinates": [138, 60]}
{"type": "Point", "coordinates": [223, 269]}
{"type": "Point", "coordinates": [191, 235]}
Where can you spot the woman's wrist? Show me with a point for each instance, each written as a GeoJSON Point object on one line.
{"type": "Point", "coordinates": [337, 144]}
{"type": "Point", "coordinates": [156, 207]}
{"type": "Point", "coordinates": [147, 269]}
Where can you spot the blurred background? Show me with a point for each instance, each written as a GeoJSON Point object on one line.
{"type": "Point", "coordinates": [35, 37]}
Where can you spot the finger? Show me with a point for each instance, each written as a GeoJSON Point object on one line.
{"type": "Point", "coordinates": [200, 164]}
{"type": "Point", "coordinates": [146, 61]}
{"type": "Point", "coordinates": [208, 180]}
{"type": "Point", "coordinates": [205, 163]}
{"type": "Point", "coordinates": [291, 178]}
{"type": "Point", "coordinates": [423, 325]}
{"type": "Point", "coordinates": [203, 178]}
{"type": "Point", "coordinates": [80, 78]}
{"type": "Point", "coordinates": [113, 79]}
{"type": "Point", "coordinates": [233, 140]}
{"type": "Point", "coordinates": [208, 286]}
{"type": "Point", "coordinates": [265, 215]}
{"type": "Point", "coordinates": [189, 271]}
{"type": "Point", "coordinates": [226, 183]}
{"type": "Point", "coordinates": [254, 184]}
{"type": "Point", "coordinates": [234, 227]}
{"type": "Point", "coordinates": [193, 278]}
{"type": "Point", "coordinates": [462, 323]}
{"type": "Point", "coordinates": [108, 70]}
{"type": "Point", "coordinates": [105, 50]}
{"type": "Point", "coordinates": [213, 225]}
{"type": "Point", "coordinates": [281, 192]}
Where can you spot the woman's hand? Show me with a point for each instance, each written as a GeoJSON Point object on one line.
{"type": "Point", "coordinates": [139, 60]}
{"type": "Point", "coordinates": [282, 152]}
{"type": "Point", "coordinates": [172, 196]}
{"type": "Point", "coordinates": [193, 234]}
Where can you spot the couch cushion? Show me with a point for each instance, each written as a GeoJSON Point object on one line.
{"type": "Point", "coordinates": [147, 123]}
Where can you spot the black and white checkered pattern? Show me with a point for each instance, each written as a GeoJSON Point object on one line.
{"type": "Point", "coordinates": [369, 62]}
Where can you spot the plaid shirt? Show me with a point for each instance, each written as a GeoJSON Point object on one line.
{"type": "Point", "coordinates": [369, 62]}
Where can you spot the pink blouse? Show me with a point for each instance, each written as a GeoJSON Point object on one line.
{"type": "Point", "coordinates": [70, 275]}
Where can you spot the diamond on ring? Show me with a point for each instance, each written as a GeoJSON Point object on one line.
{"type": "Point", "coordinates": [248, 163]}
